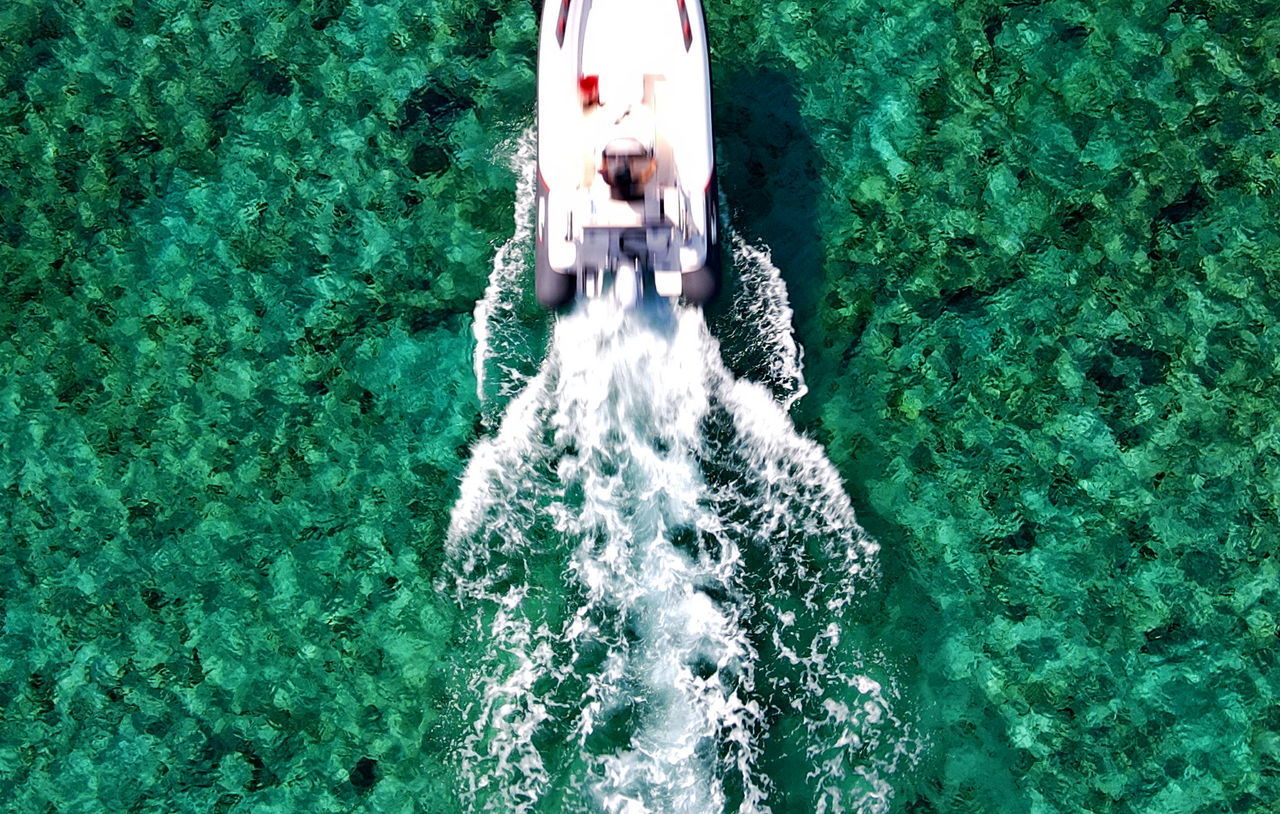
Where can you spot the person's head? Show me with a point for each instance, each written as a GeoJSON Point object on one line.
{"type": "Point", "coordinates": [626, 163]}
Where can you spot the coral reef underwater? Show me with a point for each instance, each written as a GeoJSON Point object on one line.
{"type": "Point", "coordinates": [1033, 255]}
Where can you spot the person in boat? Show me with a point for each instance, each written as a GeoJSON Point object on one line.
{"type": "Point", "coordinates": [626, 166]}
{"type": "Point", "coordinates": [627, 161]}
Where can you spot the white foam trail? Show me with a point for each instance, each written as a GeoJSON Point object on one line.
{"type": "Point", "coordinates": [607, 447]}
{"type": "Point", "coordinates": [641, 390]}
{"type": "Point", "coordinates": [761, 322]}
{"type": "Point", "coordinates": [625, 399]}
{"type": "Point", "coordinates": [496, 327]}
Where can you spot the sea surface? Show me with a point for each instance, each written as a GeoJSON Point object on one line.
{"type": "Point", "coordinates": [962, 498]}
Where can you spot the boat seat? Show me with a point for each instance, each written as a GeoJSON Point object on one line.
{"type": "Point", "coordinates": [614, 213]}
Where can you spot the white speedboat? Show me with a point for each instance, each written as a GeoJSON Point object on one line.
{"type": "Point", "coordinates": [627, 200]}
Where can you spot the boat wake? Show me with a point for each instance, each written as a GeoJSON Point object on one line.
{"type": "Point", "coordinates": [662, 575]}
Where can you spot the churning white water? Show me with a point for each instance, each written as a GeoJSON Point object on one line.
{"type": "Point", "coordinates": [660, 569]}
{"type": "Point", "coordinates": [501, 355]}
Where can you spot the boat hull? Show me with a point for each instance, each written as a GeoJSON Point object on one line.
{"type": "Point", "coordinates": [626, 162]}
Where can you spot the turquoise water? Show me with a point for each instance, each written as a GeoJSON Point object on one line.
{"type": "Point", "coordinates": [308, 508]}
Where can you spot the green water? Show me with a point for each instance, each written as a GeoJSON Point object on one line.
{"type": "Point", "coordinates": [1032, 253]}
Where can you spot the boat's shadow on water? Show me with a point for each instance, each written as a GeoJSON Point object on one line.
{"type": "Point", "coordinates": [771, 174]}
{"type": "Point", "coordinates": [769, 171]}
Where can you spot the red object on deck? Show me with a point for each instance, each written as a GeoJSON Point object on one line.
{"type": "Point", "coordinates": [589, 89]}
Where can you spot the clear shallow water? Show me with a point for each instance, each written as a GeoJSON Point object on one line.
{"type": "Point", "coordinates": [1029, 251]}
